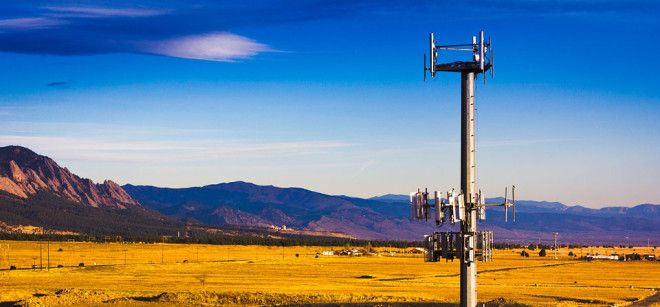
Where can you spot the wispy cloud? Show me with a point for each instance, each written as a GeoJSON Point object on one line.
{"type": "Point", "coordinates": [58, 84]}
{"type": "Point", "coordinates": [26, 23]}
{"type": "Point", "coordinates": [93, 12]}
{"type": "Point", "coordinates": [368, 164]}
{"type": "Point", "coordinates": [523, 142]}
{"type": "Point", "coordinates": [165, 151]}
{"type": "Point", "coordinates": [172, 29]}
{"type": "Point", "coordinates": [226, 47]}
{"type": "Point", "coordinates": [93, 128]}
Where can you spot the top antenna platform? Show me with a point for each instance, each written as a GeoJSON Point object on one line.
{"type": "Point", "coordinates": [482, 57]}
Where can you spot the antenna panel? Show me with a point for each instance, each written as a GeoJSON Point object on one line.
{"type": "Point", "coordinates": [460, 199]}
{"type": "Point", "coordinates": [439, 209]}
{"type": "Point", "coordinates": [433, 55]}
{"type": "Point", "coordinates": [413, 205]}
{"type": "Point", "coordinates": [482, 52]}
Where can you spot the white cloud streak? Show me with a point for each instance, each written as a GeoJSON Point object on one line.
{"type": "Point", "coordinates": [28, 23]}
{"type": "Point", "coordinates": [164, 151]}
{"type": "Point", "coordinates": [94, 12]}
{"type": "Point", "coordinates": [217, 46]}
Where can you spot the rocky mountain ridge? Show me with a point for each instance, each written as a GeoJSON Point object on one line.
{"type": "Point", "coordinates": [24, 173]}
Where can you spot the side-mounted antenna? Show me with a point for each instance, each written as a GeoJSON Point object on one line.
{"type": "Point", "coordinates": [491, 58]}
{"type": "Point", "coordinates": [433, 56]}
{"type": "Point", "coordinates": [506, 208]}
{"type": "Point", "coordinates": [481, 206]}
{"type": "Point", "coordinates": [508, 204]}
{"type": "Point", "coordinates": [513, 202]}
{"type": "Point", "coordinates": [424, 65]}
{"type": "Point", "coordinates": [482, 53]}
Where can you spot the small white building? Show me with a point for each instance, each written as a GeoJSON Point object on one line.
{"type": "Point", "coordinates": [603, 257]}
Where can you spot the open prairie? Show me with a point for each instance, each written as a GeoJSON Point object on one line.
{"type": "Point", "coordinates": [176, 274]}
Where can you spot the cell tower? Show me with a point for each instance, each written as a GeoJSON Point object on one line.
{"type": "Point", "coordinates": [466, 205]}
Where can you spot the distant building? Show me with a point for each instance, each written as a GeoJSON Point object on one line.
{"type": "Point", "coordinates": [417, 250]}
{"type": "Point", "coordinates": [602, 257]}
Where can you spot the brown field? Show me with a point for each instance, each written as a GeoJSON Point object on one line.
{"type": "Point", "coordinates": [173, 274]}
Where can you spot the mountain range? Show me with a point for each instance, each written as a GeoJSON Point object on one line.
{"type": "Point", "coordinates": [34, 190]}
{"type": "Point", "coordinates": [386, 217]}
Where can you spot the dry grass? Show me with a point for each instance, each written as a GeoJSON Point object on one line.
{"type": "Point", "coordinates": [259, 275]}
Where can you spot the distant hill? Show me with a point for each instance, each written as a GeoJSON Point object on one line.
{"type": "Point", "coordinates": [392, 198]}
{"type": "Point", "coordinates": [386, 217]}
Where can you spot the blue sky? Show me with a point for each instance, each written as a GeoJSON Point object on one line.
{"type": "Point", "coordinates": [328, 95]}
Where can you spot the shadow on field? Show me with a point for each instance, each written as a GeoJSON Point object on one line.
{"type": "Point", "coordinates": [575, 300]}
{"type": "Point", "coordinates": [494, 303]}
{"type": "Point", "coordinates": [420, 304]}
{"type": "Point", "coordinates": [153, 298]}
{"type": "Point", "coordinates": [649, 301]}
{"type": "Point", "coordinates": [512, 268]}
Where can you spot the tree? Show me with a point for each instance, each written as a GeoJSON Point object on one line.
{"type": "Point", "coordinates": [202, 279]}
{"type": "Point", "coordinates": [570, 254]}
{"type": "Point", "coordinates": [531, 247]}
{"type": "Point", "coordinates": [542, 253]}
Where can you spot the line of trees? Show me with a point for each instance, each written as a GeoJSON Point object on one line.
{"type": "Point", "coordinates": [290, 240]}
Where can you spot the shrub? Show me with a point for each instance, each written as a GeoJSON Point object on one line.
{"type": "Point", "coordinates": [570, 254]}
{"type": "Point", "coordinates": [531, 247]}
{"type": "Point", "coordinates": [542, 253]}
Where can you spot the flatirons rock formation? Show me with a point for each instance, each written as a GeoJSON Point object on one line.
{"type": "Point", "coordinates": [36, 193]}
{"type": "Point", "coordinates": [24, 173]}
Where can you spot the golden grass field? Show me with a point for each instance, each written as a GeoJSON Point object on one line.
{"type": "Point", "coordinates": [178, 274]}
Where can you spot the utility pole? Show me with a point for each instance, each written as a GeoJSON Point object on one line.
{"type": "Point", "coordinates": [48, 253]}
{"type": "Point", "coordinates": [41, 258]}
{"type": "Point", "coordinates": [554, 235]}
{"type": "Point", "coordinates": [467, 205]}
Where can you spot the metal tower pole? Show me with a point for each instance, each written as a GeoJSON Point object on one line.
{"type": "Point", "coordinates": [468, 187]}
{"type": "Point", "coordinates": [440, 244]}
